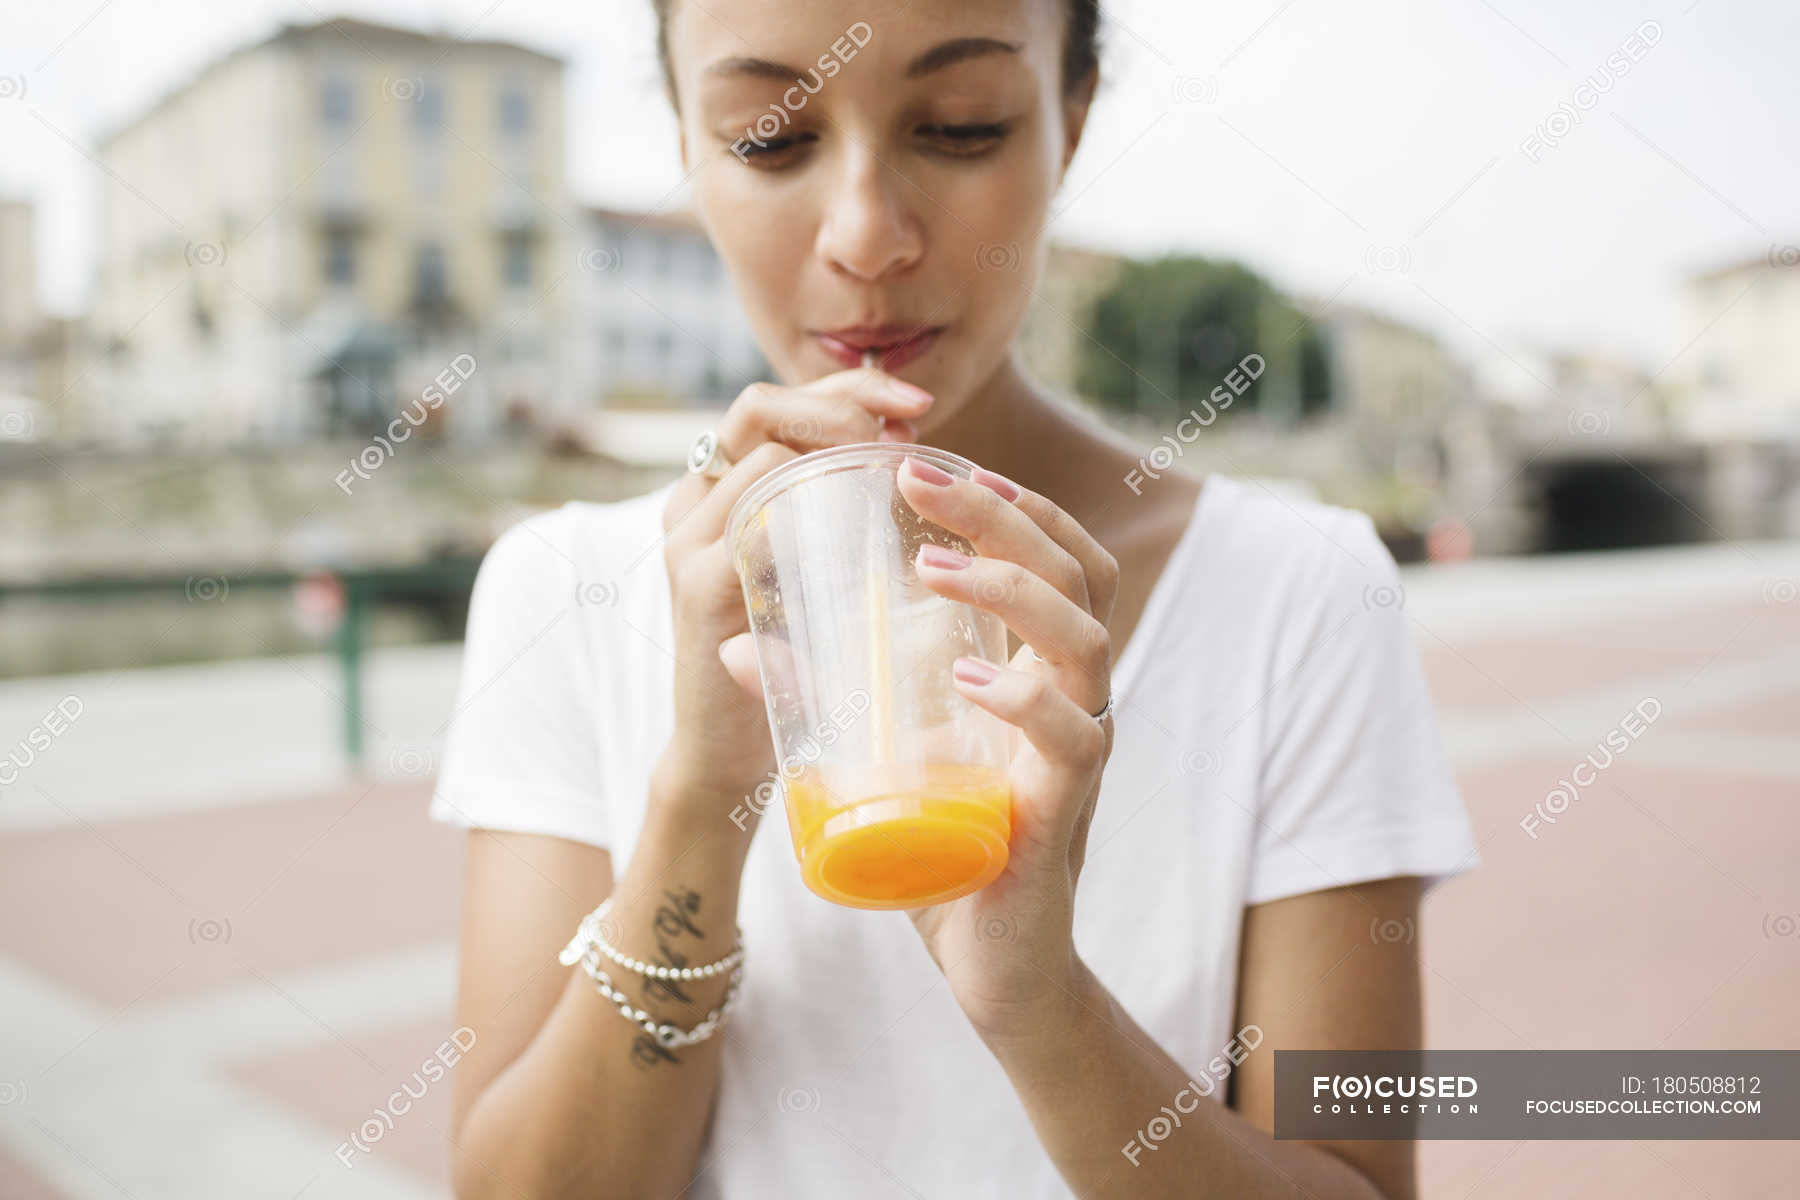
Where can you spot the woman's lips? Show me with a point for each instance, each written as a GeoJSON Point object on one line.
{"type": "Point", "coordinates": [889, 358]}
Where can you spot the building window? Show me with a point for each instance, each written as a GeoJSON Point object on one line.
{"type": "Point", "coordinates": [334, 101]}
{"type": "Point", "coordinates": [515, 263]}
{"type": "Point", "coordinates": [515, 110]}
{"type": "Point", "coordinates": [428, 107]}
{"type": "Point", "coordinates": [429, 276]}
{"type": "Point", "coordinates": [340, 256]}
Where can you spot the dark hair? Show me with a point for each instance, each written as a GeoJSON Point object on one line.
{"type": "Point", "coordinates": [1081, 45]}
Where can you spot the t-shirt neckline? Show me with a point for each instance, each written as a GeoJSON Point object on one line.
{"type": "Point", "coordinates": [1162, 593]}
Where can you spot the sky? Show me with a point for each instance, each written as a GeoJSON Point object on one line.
{"type": "Point", "coordinates": [1404, 155]}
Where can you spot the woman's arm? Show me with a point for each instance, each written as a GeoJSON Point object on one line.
{"type": "Point", "coordinates": [1312, 978]}
{"type": "Point", "coordinates": [561, 1095]}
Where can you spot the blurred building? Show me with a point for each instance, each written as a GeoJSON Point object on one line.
{"type": "Point", "coordinates": [656, 322]}
{"type": "Point", "coordinates": [20, 406]}
{"type": "Point", "coordinates": [303, 235]}
{"type": "Point", "coordinates": [39, 352]}
{"type": "Point", "coordinates": [1393, 386]}
{"type": "Point", "coordinates": [1741, 377]}
{"type": "Point", "coordinates": [1057, 319]}
{"type": "Point", "coordinates": [1604, 395]}
{"type": "Point", "coordinates": [18, 274]}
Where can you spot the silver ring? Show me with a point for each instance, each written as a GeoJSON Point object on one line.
{"type": "Point", "coordinates": [1106, 709]}
{"type": "Point", "coordinates": [706, 457]}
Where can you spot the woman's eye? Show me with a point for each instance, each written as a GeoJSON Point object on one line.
{"type": "Point", "coordinates": [768, 149]}
{"type": "Point", "coordinates": [952, 140]}
{"type": "Point", "coordinates": [965, 139]}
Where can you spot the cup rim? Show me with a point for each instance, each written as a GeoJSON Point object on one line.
{"type": "Point", "coordinates": [816, 462]}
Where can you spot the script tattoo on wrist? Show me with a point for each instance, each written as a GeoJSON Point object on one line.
{"type": "Point", "coordinates": [674, 919]}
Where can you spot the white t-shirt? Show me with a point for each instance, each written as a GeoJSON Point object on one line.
{"type": "Point", "coordinates": [1273, 736]}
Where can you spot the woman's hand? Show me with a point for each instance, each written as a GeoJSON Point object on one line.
{"type": "Point", "coordinates": [721, 749]}
{"type": "Point", "coordinates": [1008, 949]}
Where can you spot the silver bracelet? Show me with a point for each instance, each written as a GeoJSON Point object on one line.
{"type": "Point", "coordinates": [666, 1035]}
{"type": "Point", "coordinates": [590, 933]}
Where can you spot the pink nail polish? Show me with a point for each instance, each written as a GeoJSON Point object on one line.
{"type": "Point", "coordinates": [974, 670]}
{"type": "Point", "coordinates": [1005, 488]}
{"type": "Point", "coordinates": [933, 555]}
{"type": "Point", "coordinates": [924, 471]}
{"type": "Point", "coordinates": [912, 392]}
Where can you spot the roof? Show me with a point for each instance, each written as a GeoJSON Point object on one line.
{"type": "Point", "coordinates": [353, 30]}
{"type": "Point", "coordinates": [350, 31]}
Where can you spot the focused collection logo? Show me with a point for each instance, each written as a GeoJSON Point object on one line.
{"type": "Point", "coordinates": [1389, 1094]}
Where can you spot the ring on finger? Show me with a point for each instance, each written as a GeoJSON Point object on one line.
{"type": "Point", "coordinates": [707, 456]}
{"type": "Point", "coordinates": [1106, 710]}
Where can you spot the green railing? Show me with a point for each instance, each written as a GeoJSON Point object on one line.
{"type": "Point", "coordinates": [433, 584]}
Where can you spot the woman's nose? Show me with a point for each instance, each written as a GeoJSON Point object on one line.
{"type": "Point", "coordinates": [869, 228]}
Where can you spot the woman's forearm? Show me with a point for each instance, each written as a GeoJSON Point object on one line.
{"type": "Point", "coordinates": [1084, 1044]}
{"type": "Point", "coordinates": [595, 1106]}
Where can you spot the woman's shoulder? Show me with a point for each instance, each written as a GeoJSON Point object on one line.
{"type": "Point", "coordinates": [1274, 547]}
{"type": "Point", "coordinates": [590, 554]}
{"type": "Point", "coordinates": [578, 532]}
{"type": "Point", "coordinates": [1281, 524]}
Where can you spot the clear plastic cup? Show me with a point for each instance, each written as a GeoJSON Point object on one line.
{"type": "Point", "coordinates": [895, 785]}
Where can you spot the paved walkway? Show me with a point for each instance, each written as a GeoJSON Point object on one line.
{"type": "Point", "coordinates": [222, 954]}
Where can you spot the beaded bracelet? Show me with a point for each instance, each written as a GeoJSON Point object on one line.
{"type": "Point", "coordinates": [590, 934]}
{"type": "Point", "coordinates": [589, 944]}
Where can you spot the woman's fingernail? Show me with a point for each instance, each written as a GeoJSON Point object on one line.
{"type": "Point", "coordinates": [999, 484]}
{"type": "Point", "coordinates": [910, 391]}
{"type": "Point", "coordinates": [974, 670]}
{"type": "Point", "coordinates": [928, 473]}
{"type": "Point", "coordinates": [933, 555]}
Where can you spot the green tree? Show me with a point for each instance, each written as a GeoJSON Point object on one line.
{"type": "Point", "coordinates": [1169, 330]}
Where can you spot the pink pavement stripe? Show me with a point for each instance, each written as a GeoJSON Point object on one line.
{"type": "Point", "coordinates": [1609, 931]}
{"type": "Point", "coordinates": [1589, 1170]}
{"type": "Point", "coordinates": [17, 1182]}
{"type": "Point", "coordinates": [1701, 627]}
{"type": "Point", "coordinates": [191, 901]}
{"type": "Point", "coordinates": [1501, 671]}
{"type": "Point", "coordinates": [1674, 890]}
{"type": "Point", "coordinates": [337, 1091]}
{"type": "Point", "coordinates": [1776, 717]}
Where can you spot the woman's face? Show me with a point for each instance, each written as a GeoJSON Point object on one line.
{"type": "Point", "coordinates": [869, 165]}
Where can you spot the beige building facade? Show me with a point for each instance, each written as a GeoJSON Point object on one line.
{"type": "Point", "coordinates": [298, 239]}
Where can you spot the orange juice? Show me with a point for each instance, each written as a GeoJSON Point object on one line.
{"type": "Point", "coordinates": [899, 835]}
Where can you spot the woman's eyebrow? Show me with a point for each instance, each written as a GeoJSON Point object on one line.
{"type": "Point", "coordinates": [937, 58]}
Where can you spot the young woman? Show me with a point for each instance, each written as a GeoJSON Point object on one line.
{"type": "Point", "coordinates": [1225, 860]}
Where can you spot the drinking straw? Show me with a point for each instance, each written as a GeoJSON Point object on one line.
{"type": "Point", "coordinates": [880, 654]}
